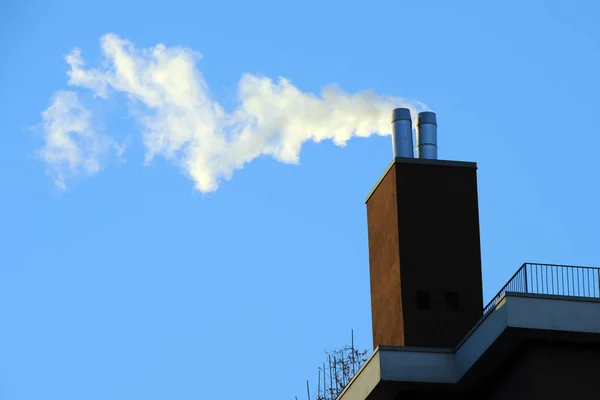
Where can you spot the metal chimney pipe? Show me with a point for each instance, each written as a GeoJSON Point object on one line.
{"type": "Point", "coordinates": [402, 133]}
{"type": "Point", "coordinates": [427, 135]}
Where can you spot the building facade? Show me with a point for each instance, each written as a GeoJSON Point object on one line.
{"type": "Point", "coordinates": [539, 338]}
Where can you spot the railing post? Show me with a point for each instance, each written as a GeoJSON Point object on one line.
{"type": "Point", "coordinates": [525, 275]}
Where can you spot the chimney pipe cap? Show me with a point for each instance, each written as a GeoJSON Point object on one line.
{"type": "Point", "coordinates": [401, 113]}
{"type": "Point", "coordinates": [427, 117]}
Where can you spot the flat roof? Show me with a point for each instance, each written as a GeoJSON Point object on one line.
{"type": "Point", "coordinates": [515, 318]}
{"type": "Point", "coordinates": [420, 161]}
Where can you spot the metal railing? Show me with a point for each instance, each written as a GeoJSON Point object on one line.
{"type": "Point", "coordinates": [557, 280]}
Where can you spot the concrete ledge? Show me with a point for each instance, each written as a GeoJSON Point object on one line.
{"type": "Point", "coordinates": [516, 318]}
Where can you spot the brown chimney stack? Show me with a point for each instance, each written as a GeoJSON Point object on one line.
{"type": "Point", "coordinates": [424, 253]}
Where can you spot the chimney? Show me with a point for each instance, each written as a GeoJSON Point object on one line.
{"type": "Point", "coordinates": [424, 249]}
{"type": "Point", "coordinates": [427, 135]}
{"type": "Point", "coordinates": [402, 133]}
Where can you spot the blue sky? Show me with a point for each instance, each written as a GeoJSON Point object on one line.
{"type": "Point", "coordinates": [150, 279]}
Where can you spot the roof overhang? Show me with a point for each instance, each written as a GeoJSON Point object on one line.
{"type": "Point", "coordinates": [516, 318]}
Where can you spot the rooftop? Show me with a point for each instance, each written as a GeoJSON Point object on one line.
{"type": "Point", "coordinates": [540, 302]}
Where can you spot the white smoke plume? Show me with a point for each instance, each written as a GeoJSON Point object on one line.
{"type": "Point", "coordinates": [72, 147]}
{"type": "Point", "coordinates": [182, 123]}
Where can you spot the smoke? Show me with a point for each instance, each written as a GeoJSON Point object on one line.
{"type": "Point", "coordinates": [72, 147]}
{"type": "Point", "coordinates": [181, 122]}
